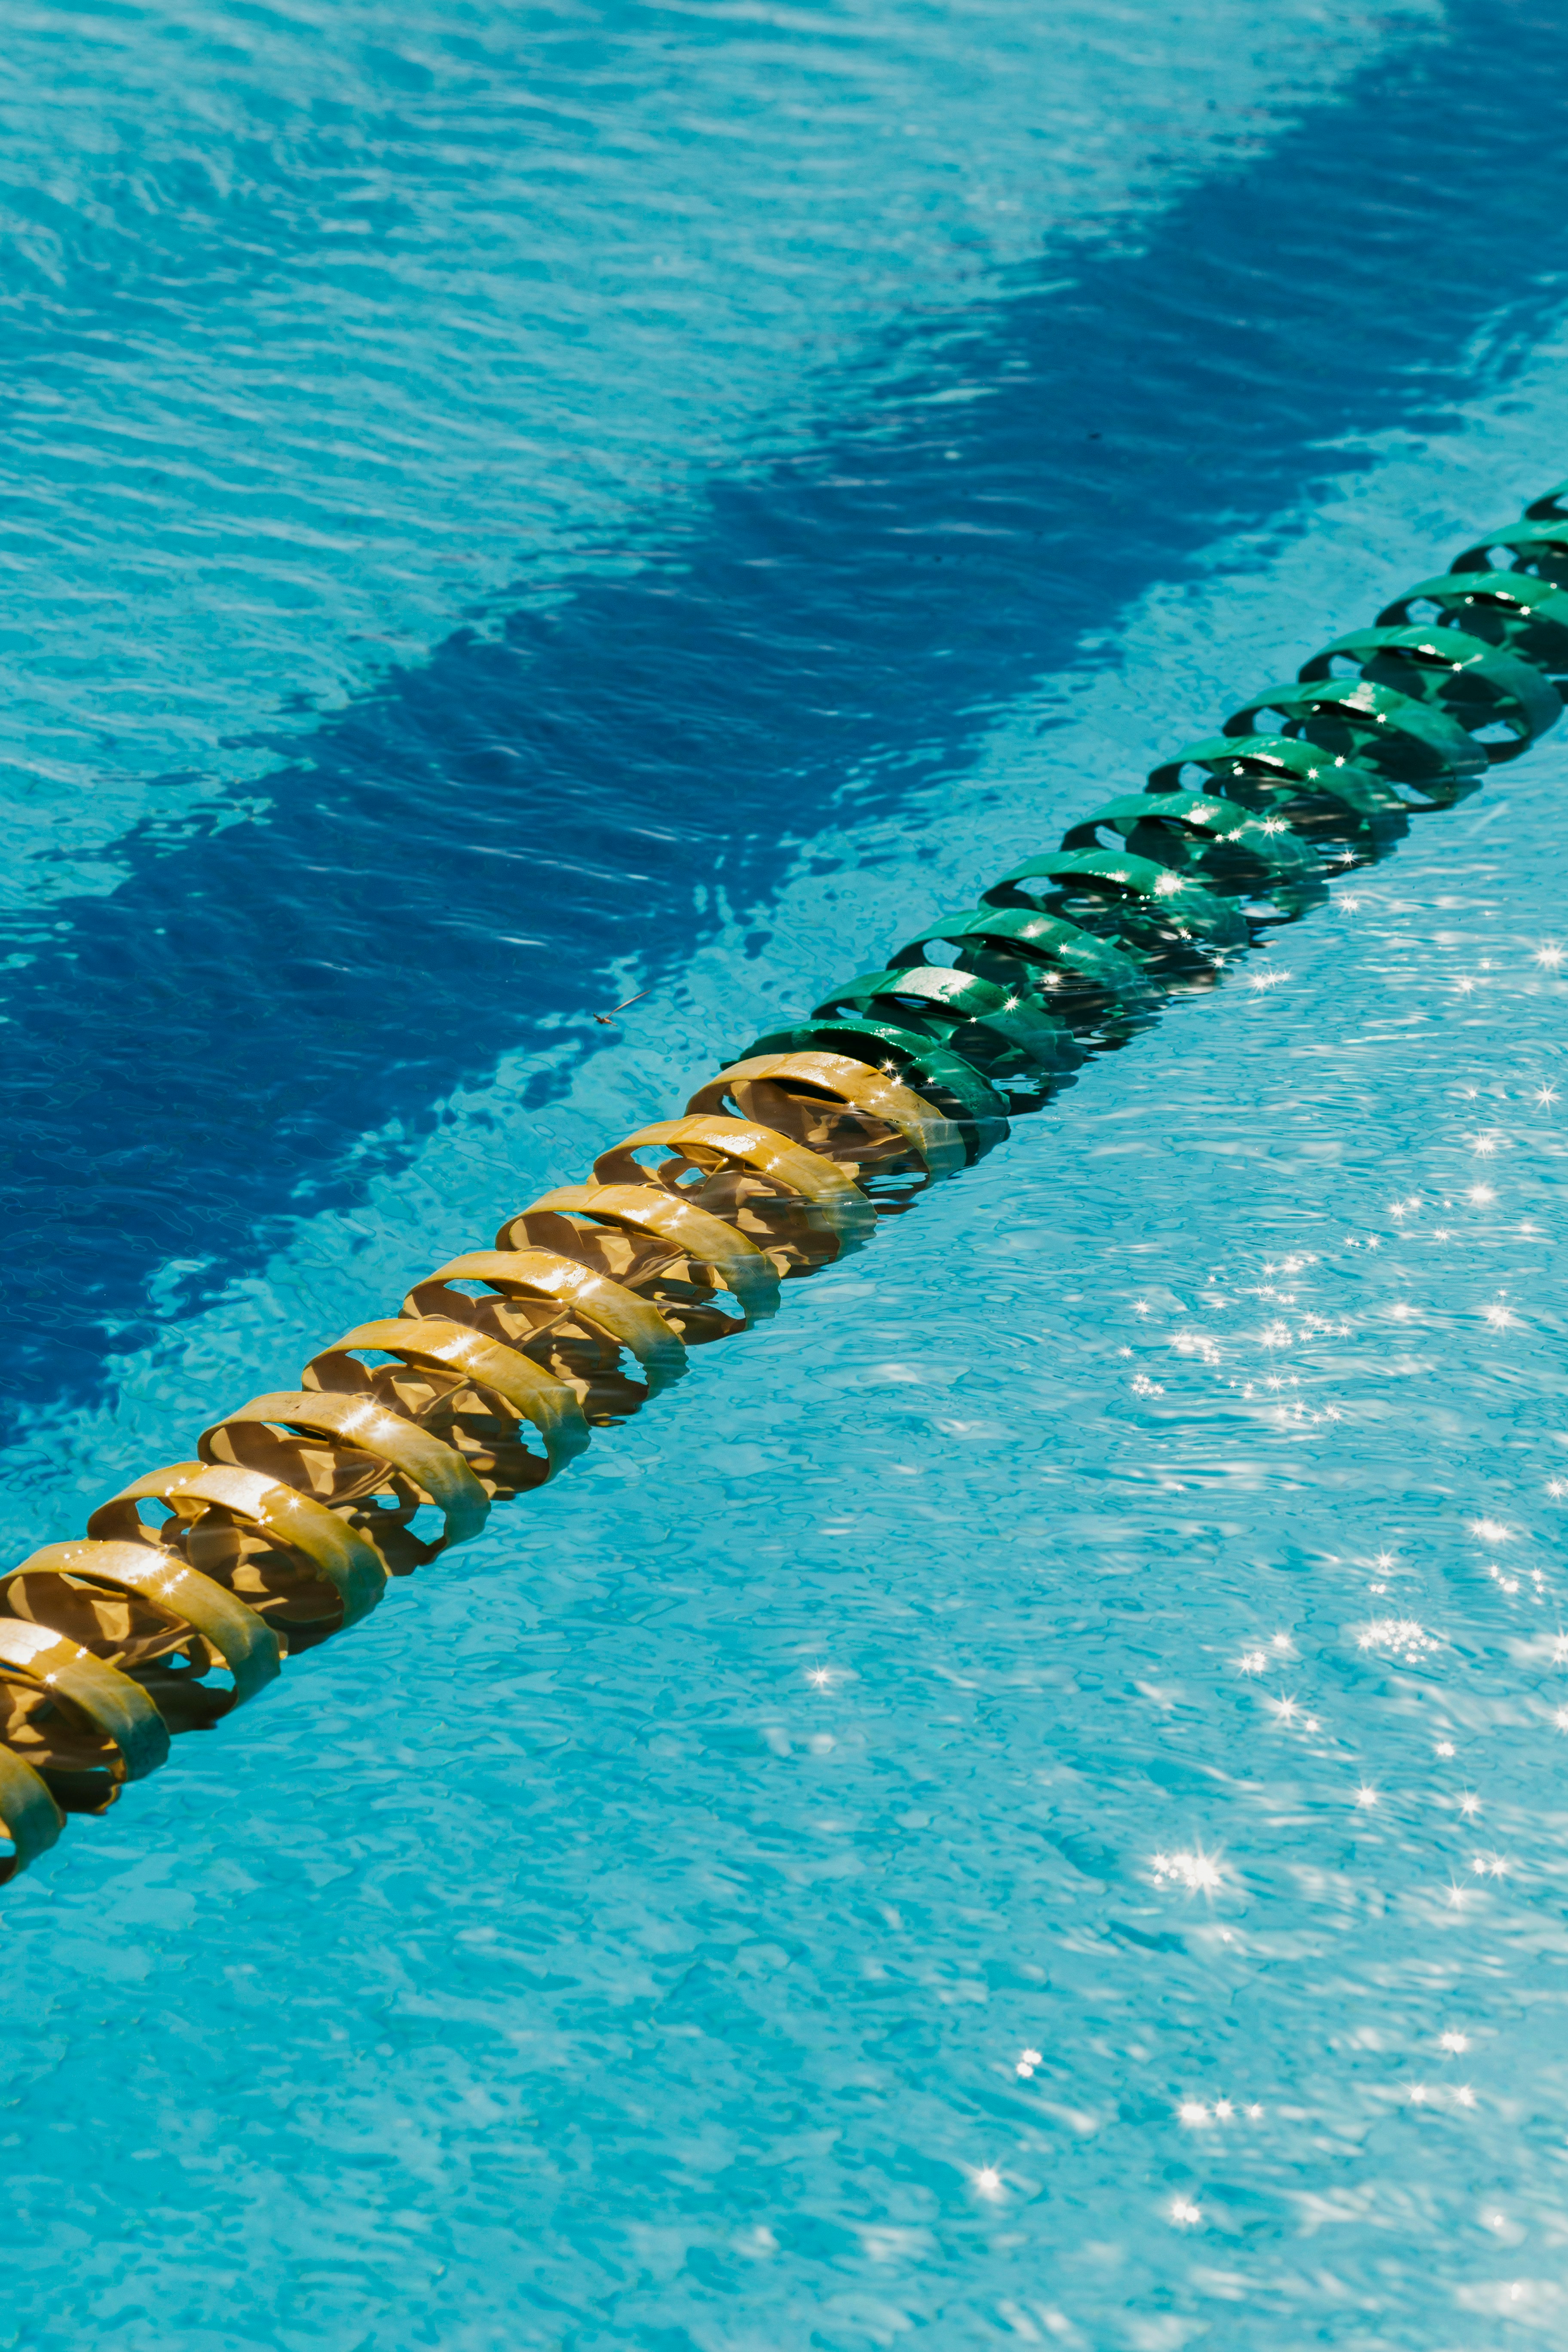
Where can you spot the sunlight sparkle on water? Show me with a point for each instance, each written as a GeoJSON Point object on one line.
{"type": "Point", "coordinates": [1198, 1871]}
{"type": "Point", "coordinates": [1406, 1636]}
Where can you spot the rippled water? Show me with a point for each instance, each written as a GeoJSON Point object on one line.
{"type": "Point", "coordinates": [1019, 1804]}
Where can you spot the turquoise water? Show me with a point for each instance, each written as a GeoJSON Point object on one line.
{"type": "Point", "coordinates": [1019, 1804]}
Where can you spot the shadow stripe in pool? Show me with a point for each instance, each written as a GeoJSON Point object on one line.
{"type": "Point", "coordinates": [440, 874]}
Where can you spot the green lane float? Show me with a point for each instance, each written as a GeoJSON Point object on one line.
{"type": "Point", "coordinates": [195, 1584]}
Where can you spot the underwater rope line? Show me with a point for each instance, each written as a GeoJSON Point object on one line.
{"type": "Point", "coordinates": [492, 1375]}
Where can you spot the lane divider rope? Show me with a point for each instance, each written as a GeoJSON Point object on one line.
{"type": "Point", "coordinates": [195, 1584]}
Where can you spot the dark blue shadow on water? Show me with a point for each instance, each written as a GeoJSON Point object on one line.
{"type": "Point", "coordinates": [458, 855]}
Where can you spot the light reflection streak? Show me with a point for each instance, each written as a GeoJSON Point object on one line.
{"type": "Point", "coordinates": [1274, 1368]}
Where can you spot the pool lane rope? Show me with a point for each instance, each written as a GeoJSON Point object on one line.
{"type": "Point", "coordinates": [194, 1583]}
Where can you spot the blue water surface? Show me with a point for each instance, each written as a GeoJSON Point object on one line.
{"type": "Point", "coordinates": [1019, 1804]}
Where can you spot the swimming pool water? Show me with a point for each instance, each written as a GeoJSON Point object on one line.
{"type": "Point", "coordinates": [1019, 1804]}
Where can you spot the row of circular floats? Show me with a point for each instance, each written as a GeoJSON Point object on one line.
{"type": "Point", "coordinates": [194, 1583]}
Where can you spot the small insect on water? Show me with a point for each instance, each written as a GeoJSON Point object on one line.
{"type": "Point", "coordinates": [606, 1020]}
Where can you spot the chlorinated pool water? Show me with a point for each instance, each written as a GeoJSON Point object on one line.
{"type": "Point", "coordinates": [1019, 1804]}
